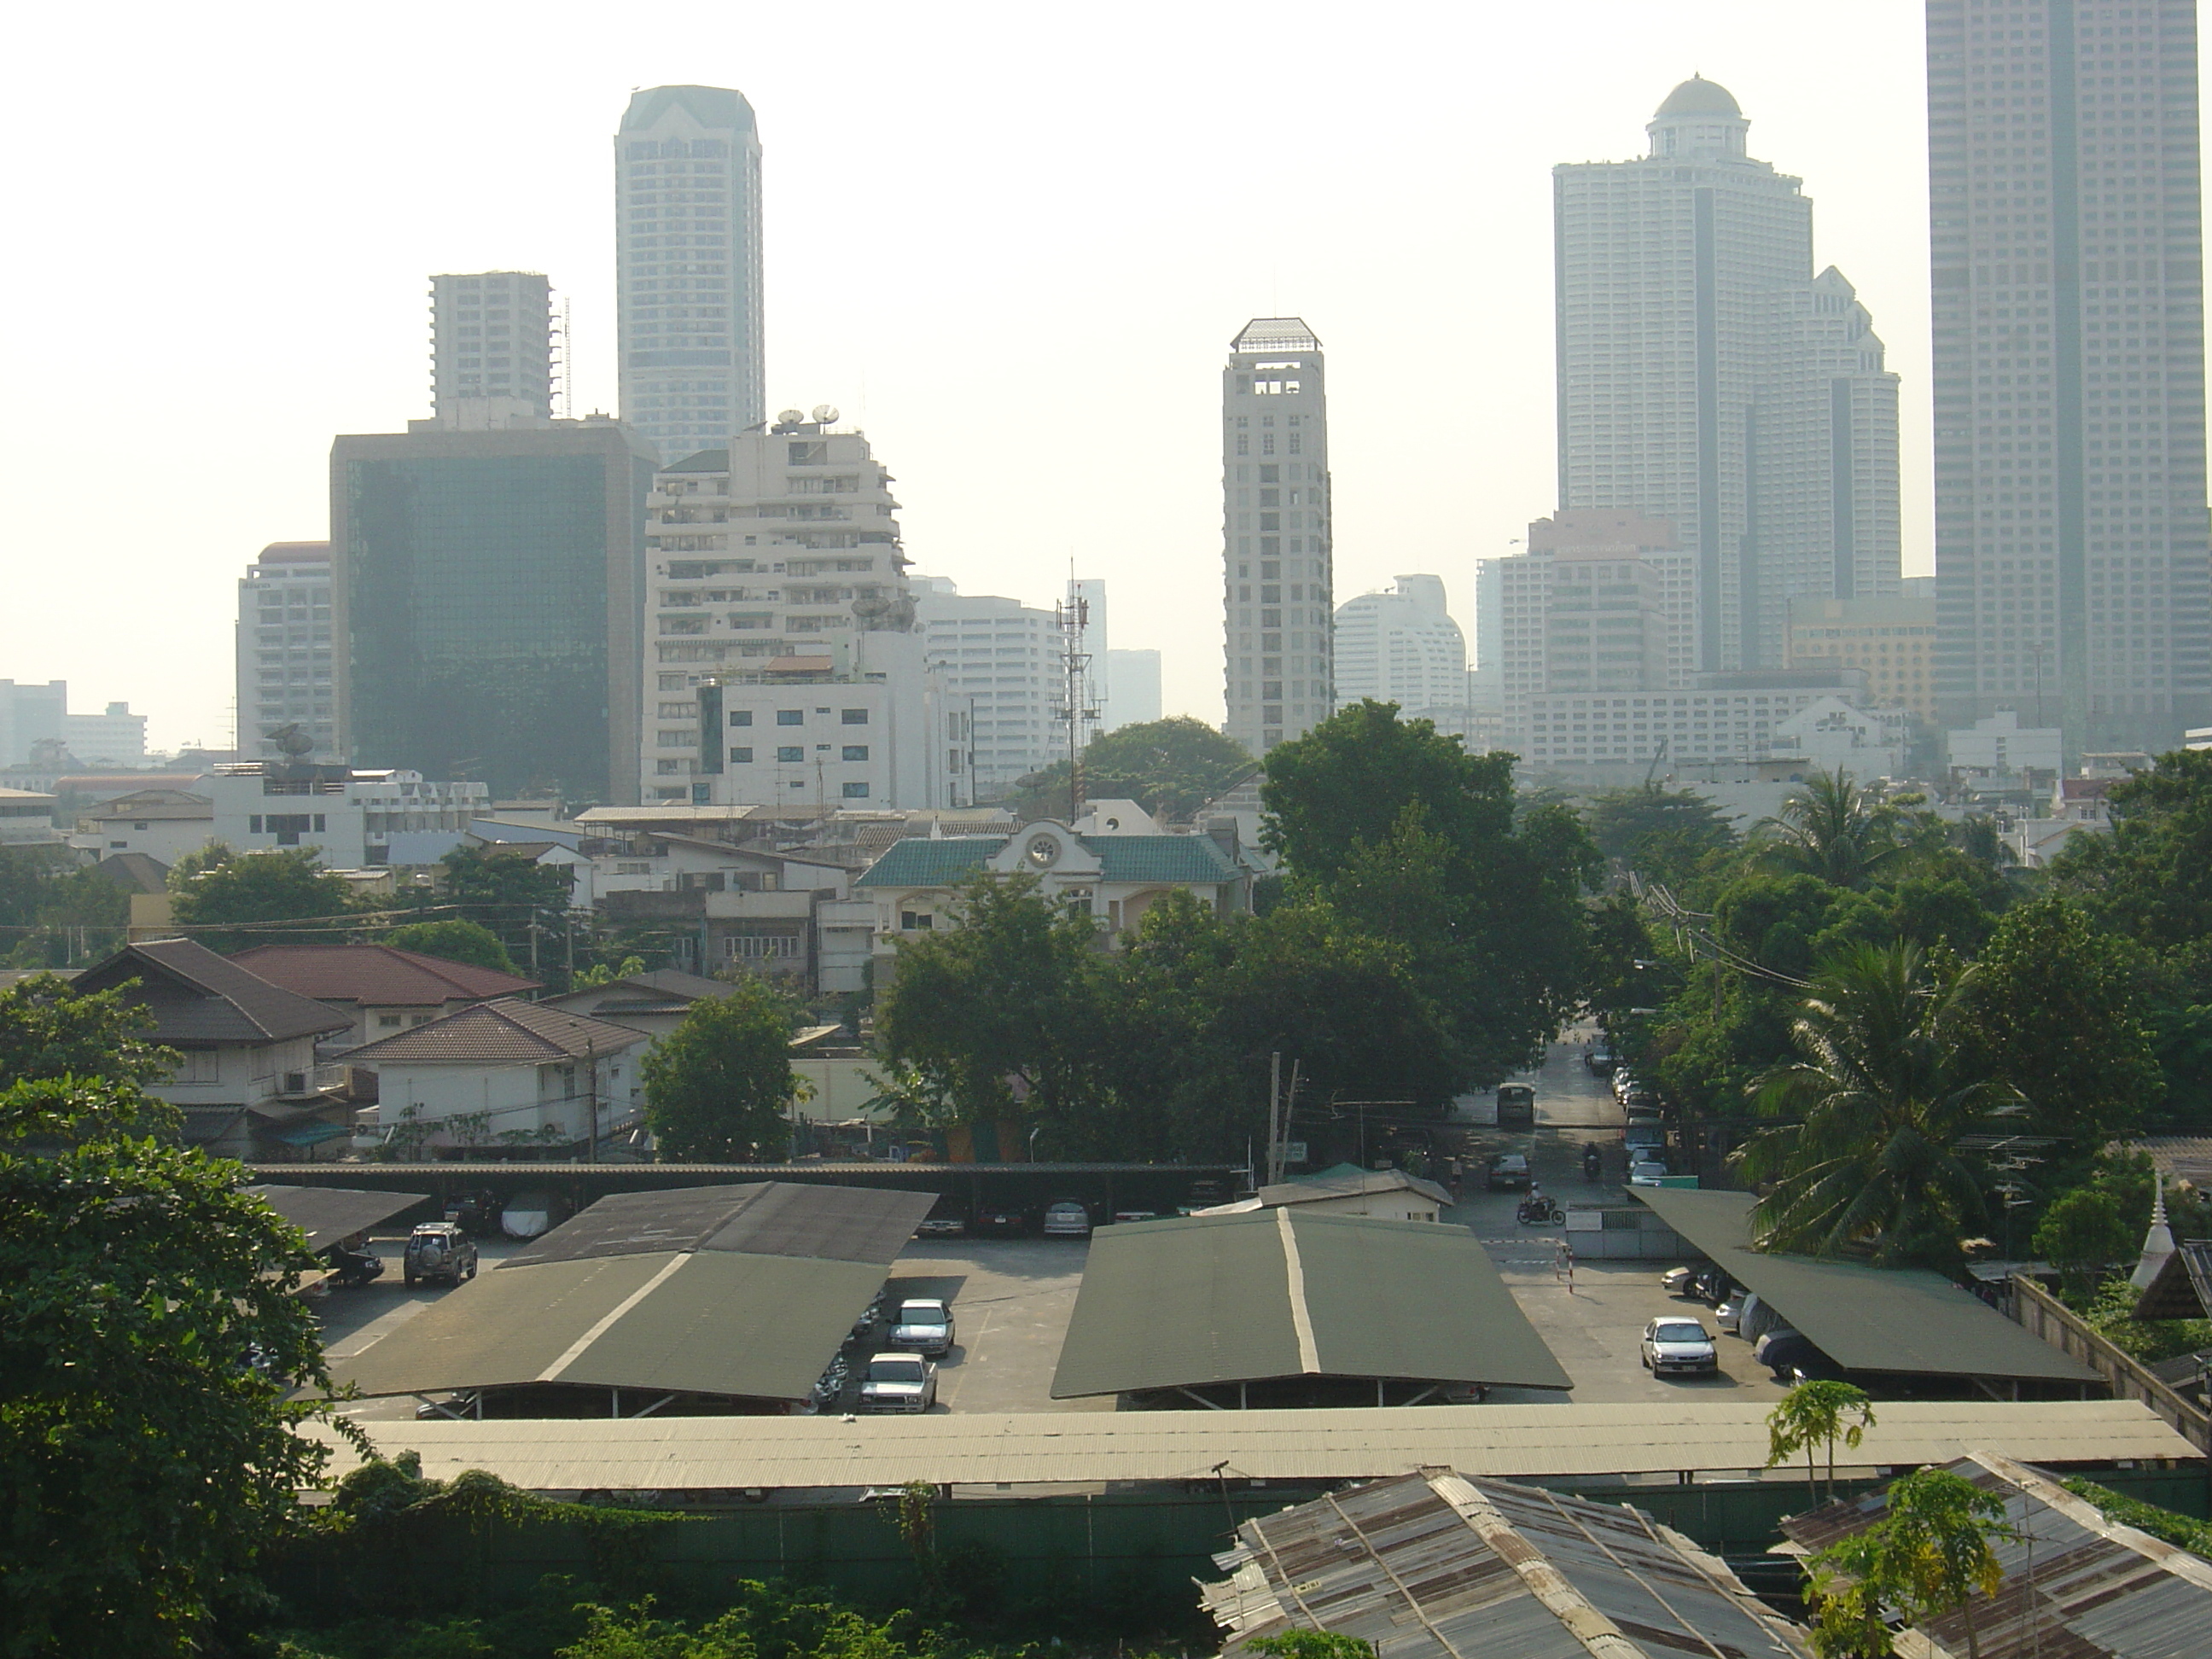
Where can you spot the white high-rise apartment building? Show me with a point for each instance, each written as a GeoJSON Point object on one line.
{"type": "Point", "coordinates": [1601, 602]}
{"type": "Point", "coordinates": [1277, 563]}
{"type": "Point", "coordinates": [1707, 376]}
{"type": "Point", "coordinates": [2067, 247]}
{"type": "Point", "coordinates": [1001, 662]}
{"type": "Point", "coordinates": [1133, 680]}
{"type": "Point", "coordinates": [1400, 646]}
{"type": "Point", "coordinates": [688, 268]}
{"type": "Point", "coordinates": [780, 548]}
{"type": "Point", "coordinates": [491, 350]}
{"type": "Point", "coordinates": [285, 651]}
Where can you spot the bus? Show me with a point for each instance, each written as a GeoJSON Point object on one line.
{"type": "Point", "coordinates": [1516, 1106]}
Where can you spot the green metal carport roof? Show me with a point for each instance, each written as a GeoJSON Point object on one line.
{"type": "Point", "coordinates": [1900, 1320]}
{"type": "Point", "coordinates": [1273, 1294]}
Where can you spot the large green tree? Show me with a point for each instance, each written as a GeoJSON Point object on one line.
{"type": "Point", "coordinates": [1415, 841]}
{"type": "Point", "coordinates": [1868, 1163]}
{"type": "Point", "coordinates": [1835, 829]}
{"type": "Point", "coordinates": [719, 1089]}
{"type": "Point", "coordinates": [150, 1346]}
{"type": "Point", "coordinates": [1662, 834]}
{"type": "Point", "coordinates": [469, 942]}
{"type": "Point", "coordinates": [53, 911]}
{"type": "Point", "coordinates": [520, 899]}
{"type": "Point", "coordinates": [230, 901]}
{"type": "Point", "coordinates": [1170, 768]}
{"type": "Point", "coordinates": [48, 1029]}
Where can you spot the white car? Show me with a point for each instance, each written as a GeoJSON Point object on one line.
{"type": "Point", "coordinates": [1645, 1172]}
{"type": "Point", "coordinates": [1678, 1344]}
{"type": "Point", "coordinates": [898, 1383]}
{"type": "Point", "coordinates": [922, 1326]}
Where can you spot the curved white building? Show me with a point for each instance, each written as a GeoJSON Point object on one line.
{"type": "Point", "coordinates": [1400, 646]}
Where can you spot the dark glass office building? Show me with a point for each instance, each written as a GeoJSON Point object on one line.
{"type": "Point", "coordinates": [488, 589]}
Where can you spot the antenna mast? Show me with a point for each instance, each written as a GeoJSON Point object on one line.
{"type": "Point", "coordinates": [1071, 616]}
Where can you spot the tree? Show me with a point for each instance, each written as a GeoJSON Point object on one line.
{"type": "Point", "coordinates": [1311, 1644]}
{"type": "Point", "coordinates": [1880, 1095]}
{"type": "Point", "coordinates": [1936, 1537]}
{"type": "Point", "coordinates": [1413, 839]}
{"type": "Point", "coordinates": [51, 908]}
{"type": "Point", "coordinates": [1002, 1013]}
{"type": "Point", "coordinates": [219, 896]}
{"type": "Point", "coordinates": [2082, 1233]}
{"type": "Point", "coordinates": [2054, 1013]}
{"type": "Point", "coordinates": [513, 895]}
{"type": "Point", "coordinates": [1170, 768]}
{"type": "Point", "coordinates": [1812, 1414]}
{"type": "Point", "coordinates": [50, 1029]}
{"type": "Point", "coordinates": [1659, 833]}
{"type": "Point", "coordinates": [150, 1342]}
{"type": "Point", "coordinates": [719, 1089]}
{"type": "Point", "coordinates": [1834, 829]}
{"type": "Point", "coordinates": [469, 942]}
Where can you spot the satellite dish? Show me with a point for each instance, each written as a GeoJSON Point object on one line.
{"type": "Point", "coordinates": [825, 414]}
{"type": "Point", "coordinates": [790, 416]}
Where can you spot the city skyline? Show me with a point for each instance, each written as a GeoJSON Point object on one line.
{"type": "Point", "coordinates": [919, 346]}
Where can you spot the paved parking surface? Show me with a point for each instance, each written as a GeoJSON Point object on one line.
{"type": "Point", "coordinates": [1011, 1302]}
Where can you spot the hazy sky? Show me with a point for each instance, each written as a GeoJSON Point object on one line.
{"type": "Point", "coordinates": [1013, 241]}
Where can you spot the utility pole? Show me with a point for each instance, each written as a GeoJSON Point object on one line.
{"type": "Point", "coordinates": [592, 1092]}
{"type": "Point", "coordinates": [1274, 1110]}
{"type": "Point", "coordinates": [1070, 615]}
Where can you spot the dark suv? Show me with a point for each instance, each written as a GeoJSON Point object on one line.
{"type": "Point", "coordinates": [440, 1250]}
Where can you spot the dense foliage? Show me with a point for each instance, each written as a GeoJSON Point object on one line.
{"type": "Point", "coordinates": [231, 901]}
{"type": "Point", "coordinates": [48, 1029]}
{"type": "Point", "coordinates": [150, 1343]}
{"type": "Point", "coordinates": [1428, 936]}
{"type": "Point", "coordinates": [718, 1088]}
{"type": "Point", "coordinates": [469, 942]}
{"type": "Point", "coordinates": [1170, 768]}
{"type": "Point", "coordinates": [54, 912]}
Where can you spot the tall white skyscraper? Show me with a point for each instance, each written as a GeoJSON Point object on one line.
{"type": "Point", "coordinates": [1401, 646]}
{"type": "Point", "coordinates": [1707, 377]}
{"type": "Point", "coordinates": [2067, 249]}
{"type": "Point", "coordinates": [491, 350]}
{"type": "Point", "coordinates": [688, 268]}
{"type": "Point", "coordinates": [1277, 572]}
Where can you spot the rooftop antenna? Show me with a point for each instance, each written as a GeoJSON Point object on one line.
{"type": "Point", "coordinates": [1071, 617]}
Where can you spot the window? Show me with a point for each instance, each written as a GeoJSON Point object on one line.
{"type": "Point", "coordinates": [855, 790]}
{"type": "Point", "coordinates": [387, 1021]}
{"type": "Point", "coordinates": [791, 717]}
{"type": "Point", "coordinates": [916, 921]}
{"type": "Point", "coordinates": [742, 757]}
{"type": "Point", "coordinates": [854, 717]}
{"type": "Point", "coordinates": [755, 946]}
{"type": "Point", "coordinates": [741, 717]}
{"type": "Point", "coordinates": [791, 752]}
{"type": "Point", "coordinates": [856, 752]}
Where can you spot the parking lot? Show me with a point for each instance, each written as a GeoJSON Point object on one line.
{"type": "Point", "coordinates": [1012, 1299]}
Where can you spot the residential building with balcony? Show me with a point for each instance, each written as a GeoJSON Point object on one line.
{"type": "Point", "coordinates": [287, 651]}
{"type": "Point", "coordinates": [1001, 660]}
{"type": "Point", "coordinates": [350, 817]}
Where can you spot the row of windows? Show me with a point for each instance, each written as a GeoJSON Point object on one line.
{"type": "Point", "coordinates": [797, 716]}
{"type": "Point", "coordinates": [795, 754]}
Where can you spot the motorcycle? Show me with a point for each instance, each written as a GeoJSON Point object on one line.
{"type": "Point", "coordinates": [355, 1268]}
{"type": "Point", "coordinates": [1538, 1211]}
{"type": "Point", "coordinates": [1593, 1164]}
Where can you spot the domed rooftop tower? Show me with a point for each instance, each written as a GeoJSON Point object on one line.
{"type": "Point", "coordinates": [1700, 119]}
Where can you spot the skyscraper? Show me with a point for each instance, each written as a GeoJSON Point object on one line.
{"type": "Point", "coordinates": [1707, 377]}
{"type": "Point", "coordinates": [2064, 205]}
{"type": "Point", "coordinates": [688, 268]}
{"type": "Point", "coordinates": [1276, 579]}
{"type": "Point", "coordinates": [491, 348]}
{"type": "Point", "coordinates": [285, 650]}
{"type": "Point", "coordinates": [1401, 646]}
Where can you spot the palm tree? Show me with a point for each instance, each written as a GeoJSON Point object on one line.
{"type": "Point", "coordinates": [1832, 829]}
{"type": "Point", "coordinates": [1813, 1414]}
{"type": "Point", "coordinates": [1879, 1098]}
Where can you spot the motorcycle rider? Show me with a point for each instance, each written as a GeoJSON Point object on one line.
{"type": "Point", "coordinates": [1593, 1161]}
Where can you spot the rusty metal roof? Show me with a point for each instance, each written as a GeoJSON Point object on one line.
{"type": "Point", "coordinates": [2076, 1586]}
{"type": "Point", "coordinates": [1434, 1564]}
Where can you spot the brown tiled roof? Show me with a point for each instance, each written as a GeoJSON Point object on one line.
{"type": "Point", "coordinates": [377, 973]}
{"type": "Point", "coordinates": [196, 996]}
{"type": "Point", "coordinates": [503, 1033]}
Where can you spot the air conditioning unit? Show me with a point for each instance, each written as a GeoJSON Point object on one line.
{"type": "Point", "coordinates": [295, 1083]}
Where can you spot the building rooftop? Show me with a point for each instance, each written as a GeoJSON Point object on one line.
{"type": "Point", "coordinates": [1433, 1566]}
{"type": "Point", "coordinates": [1903, 1321]}
{"type": "Point", "coordinates": [923, 861]}
{"type": "Point", "coordinates": [164, 805]}
{"type": "Point", "coordinates": [711, 106]}
{"type": "Point", "coordinates": [1671, 1439]}
{"type": "Point", "coordinates": [1275, 334]}
{"type": "Point", "coordinates": [328, 1214]}
{"type": "Point", "coordinates": [1279, 1293]}
{"type": "Point", "coordinates": [196, 996]}
{"type": "Point", "coordinates": [1699, 96]}
{"type": "Point", "coordinates": [377, 974]}
{"type": "Point", "coordinates": [503, 1033]}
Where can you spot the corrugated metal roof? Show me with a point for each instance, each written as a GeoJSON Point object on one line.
{"type": "Point", "coordinates": [503, 1033]}
{"type": "Point", "coordinates": [376, 973]}
{"type": "Point", "coordinates": [768, 1217]}
{"type": "Point", "coordinates": [1350, 1183]}
{"type": "Point", "coordinates": [710, 1322]}
{"type": "Point", "coordinates": [2076, 1586]}
{"type": "Point", "coordinates": [2182, 1287]}
{"type": "Point", "coordinates": [1277, 1293]}
{"type": "Point", "coordinates": [327, 1214]}
{"type": "Point", "coordinates": [1864, 1318]}
{"type": "Point", "coordinates": [1436, 1565]}
{"type": "Point", "coordinates": [1560, 1442]}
